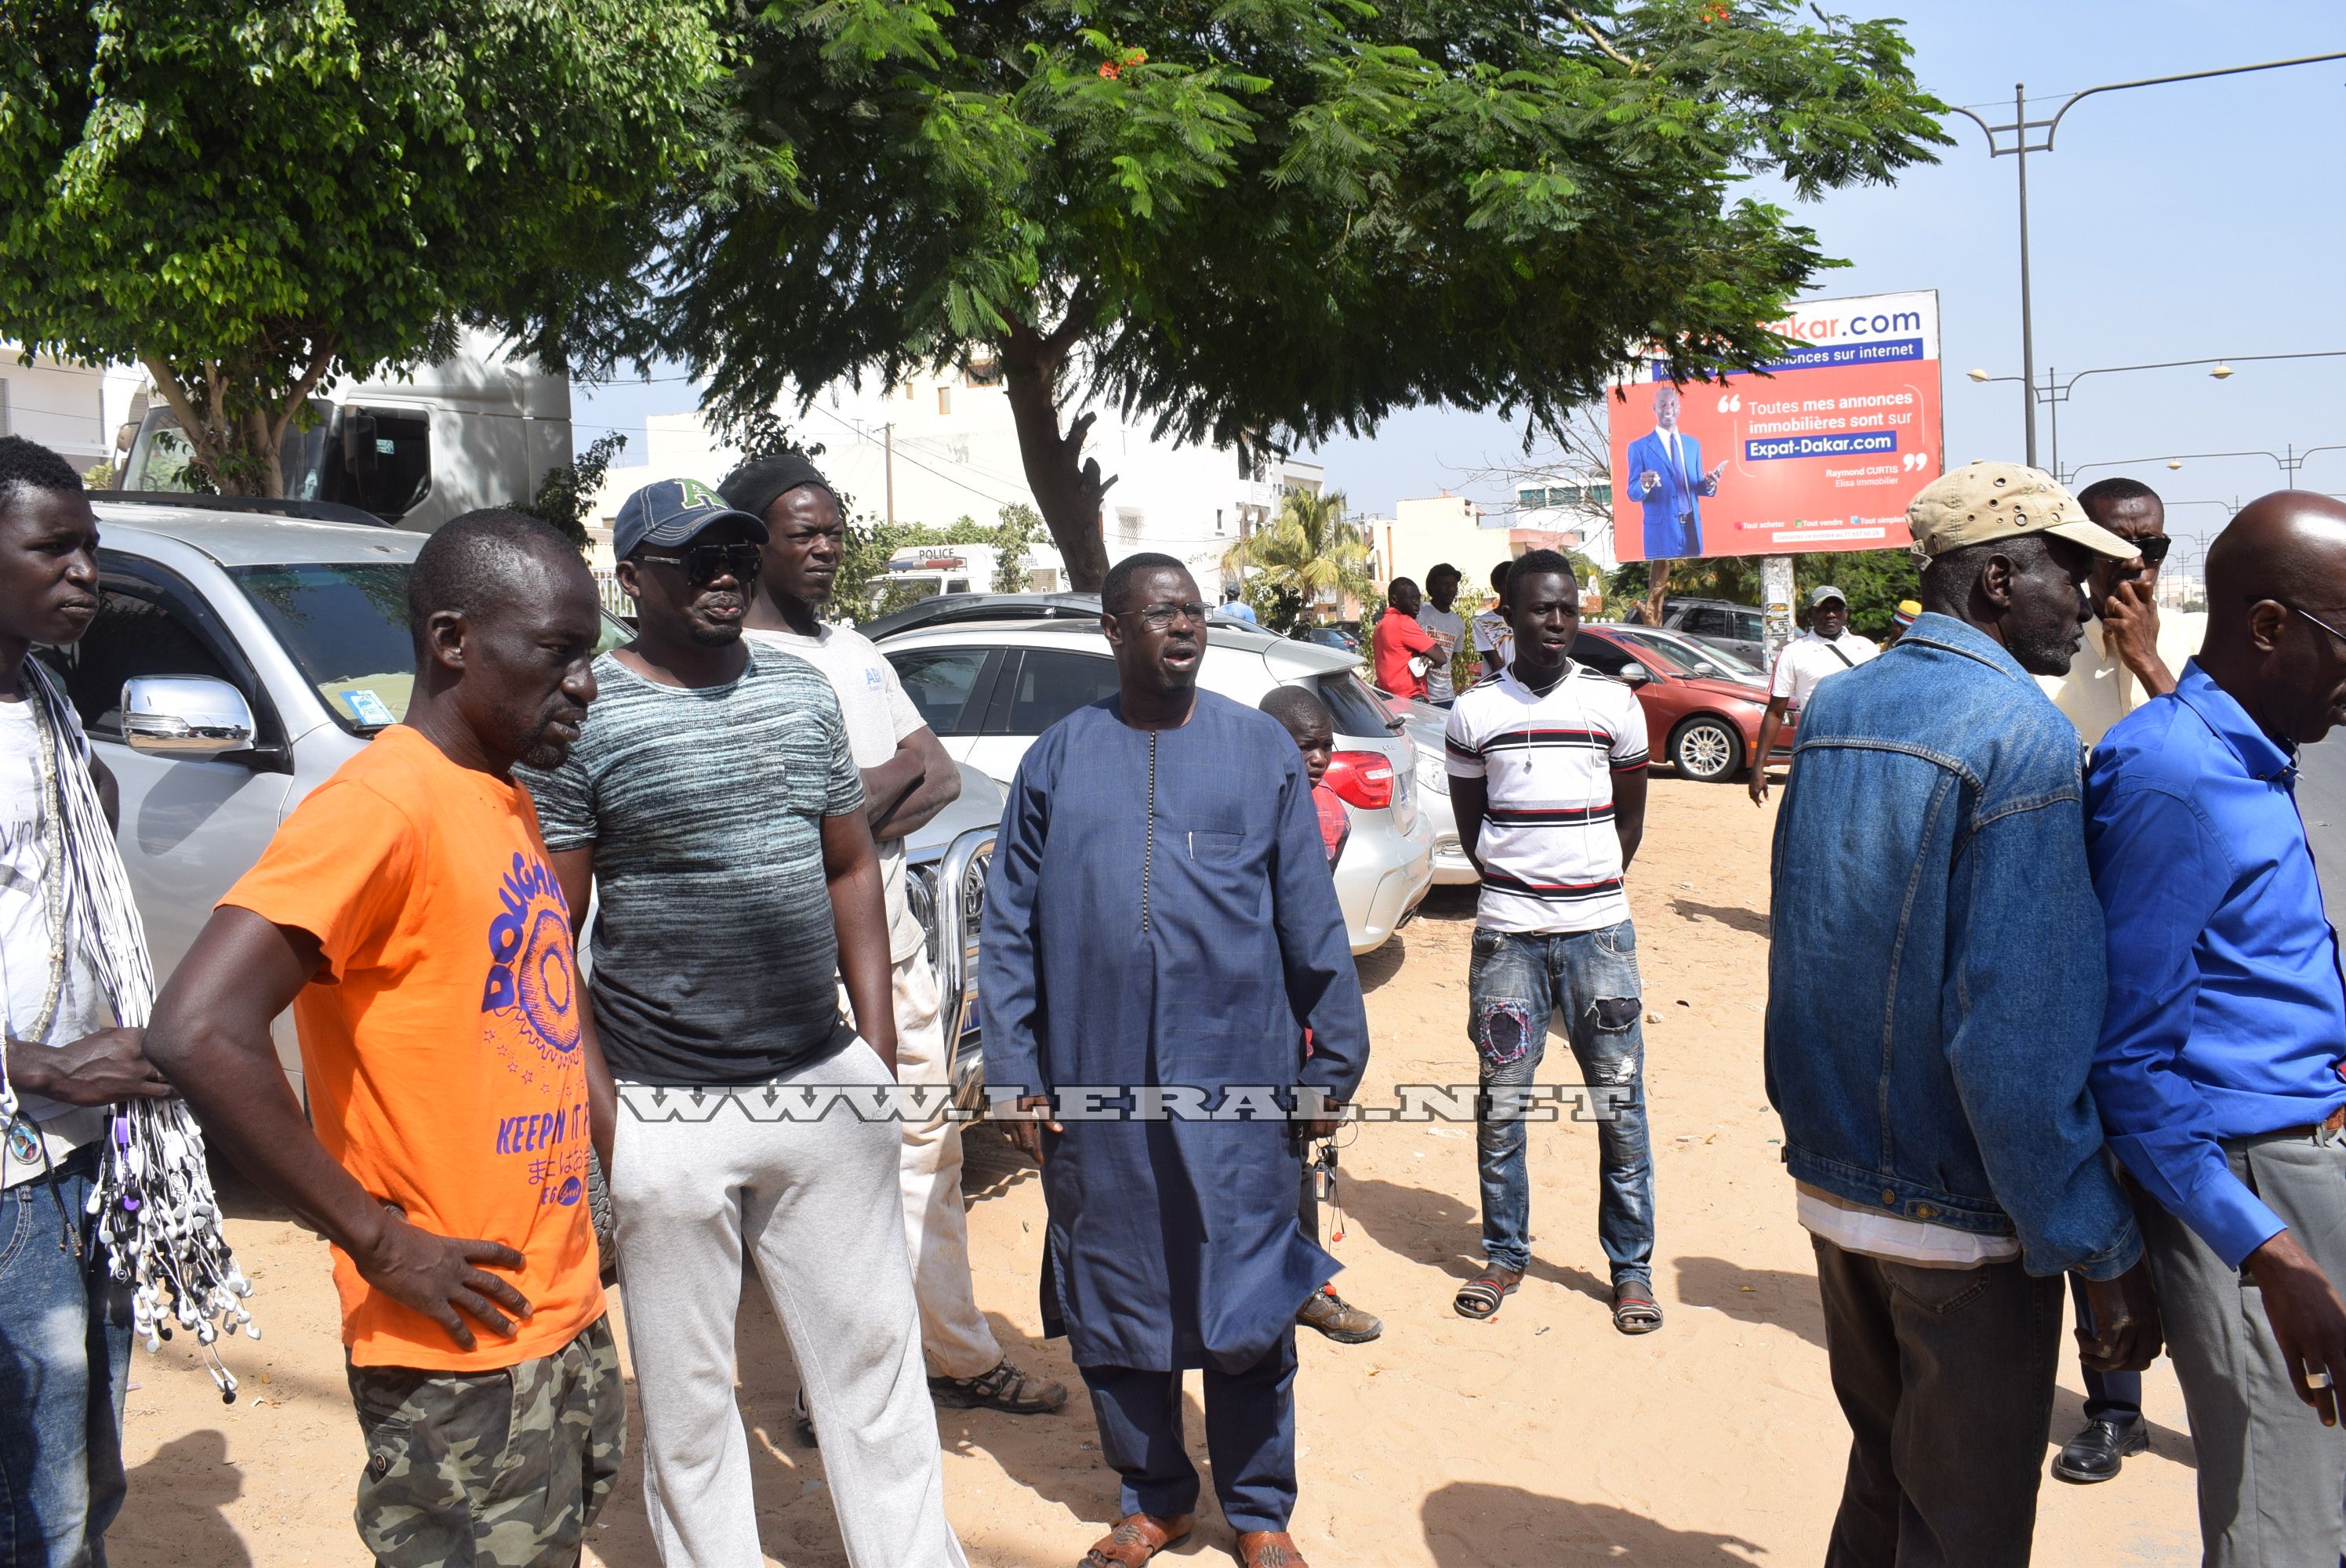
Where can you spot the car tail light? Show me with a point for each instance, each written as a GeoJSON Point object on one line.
{"type": "Point", "coordinates": [1363, 778]}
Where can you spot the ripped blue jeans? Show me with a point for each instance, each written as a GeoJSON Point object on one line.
{"type": "Point", "coordinates": [1590, 977]}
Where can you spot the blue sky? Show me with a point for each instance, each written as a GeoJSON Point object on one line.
{"type": "Point", "coordinates": [2176, 222]}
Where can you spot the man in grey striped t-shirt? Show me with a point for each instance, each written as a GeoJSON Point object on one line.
{"type": "Point", "coordinates": [715, 804]}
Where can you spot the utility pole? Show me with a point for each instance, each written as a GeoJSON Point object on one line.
{"type": "Point", "coordinates": [887, 465]}
{"type": "Point", "coordinates": [2021, 133]}
{"type": "Point", "coordinates": [1775, 604]}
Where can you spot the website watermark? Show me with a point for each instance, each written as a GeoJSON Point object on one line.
{"type": "Point", "coordinates": [922, 1104]}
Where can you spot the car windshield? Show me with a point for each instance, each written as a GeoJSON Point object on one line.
{"type": "Point", "coordinates": [1694, 658]}
{"type": "Point", "coordinates": [345, 626]}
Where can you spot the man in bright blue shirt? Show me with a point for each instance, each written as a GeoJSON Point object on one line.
{"type": "Point", "coordinates": [2218, 1071]}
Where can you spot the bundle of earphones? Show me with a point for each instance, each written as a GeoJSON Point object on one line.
{"type": "Point", "coordinates": [156, 1216]}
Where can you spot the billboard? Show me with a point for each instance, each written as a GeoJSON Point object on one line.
{"type": "Point", "coordinates": [1822, 453]}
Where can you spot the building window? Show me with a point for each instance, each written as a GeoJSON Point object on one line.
{"type": "Point", "coordinates": [983, 373]}
{"type": "Point", "coordinates": [1218, 519]}
{"type": "Point", "coordinates": [944, 399]}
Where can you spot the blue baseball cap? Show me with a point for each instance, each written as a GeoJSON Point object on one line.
{"type": "Point", "coordinates": [673, 511]}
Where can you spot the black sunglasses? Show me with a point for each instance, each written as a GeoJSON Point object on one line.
{"type": "Point", "coordinates": [2152, 550]}
{"type": "Point", "coordinates": [707, 562]}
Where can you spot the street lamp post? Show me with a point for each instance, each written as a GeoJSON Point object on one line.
{"type": "Point", "coordinates": [2053, 392]}
{"type": "Point", "coordinates": [2020, 131]}
{"type": "Point", "coordinates": [2289, 461]}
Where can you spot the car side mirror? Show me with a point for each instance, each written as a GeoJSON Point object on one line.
{"type": "Point", "coordinates": [187, 717]}
{"type": "Point", "coordinates": [1636, 674]}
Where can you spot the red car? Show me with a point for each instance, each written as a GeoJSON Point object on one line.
{"type": "Point", "coordinates": [1702, 704]}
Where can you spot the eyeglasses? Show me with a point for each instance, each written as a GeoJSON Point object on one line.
{"type": "Point", "coordinates": [2310, 616]}
{"type": "Point", "coordinates": [707, 562]}
{"type": "Point", "coordinates": [2152, 550]}
{"type": "Point", "coordinates": [1160, 617]}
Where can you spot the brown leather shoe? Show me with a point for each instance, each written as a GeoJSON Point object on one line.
{"type": "Point", "coordinates": [1269, 1548]}
{"type": "Point", "coordinates": [1135, 1539]}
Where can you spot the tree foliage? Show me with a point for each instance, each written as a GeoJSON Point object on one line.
{"type": "Point", "coordinates": [249, 198]}
{"type": "Point", "coordinates": [1305, 556]}
{"type": "Point", "coordinates": [1261, 221]}
{"type": "Point", "coordinates": [862, 589]}
{"type": "Point", "coordinates": [568, 489]}
{"type": "Point", "coordinates": [1874, 580]}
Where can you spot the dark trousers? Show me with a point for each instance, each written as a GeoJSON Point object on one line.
{"type": "Point", "coordinates": [2109, 1396]}
{"type": "Point", "coordinates": [1945, 1376]}
{"type": "Point", "coordinates": [1249, 1438]}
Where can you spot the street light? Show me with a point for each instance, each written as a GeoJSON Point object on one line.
{"type": "Point", "coordinates": [2055, 392]}
{"type": "Point", "coordinates": [2019, 149]}
{"type": "Point", "coordinates": [2289, 461]}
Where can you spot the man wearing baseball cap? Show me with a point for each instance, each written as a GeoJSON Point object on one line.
{"type": "Point", "coordinates": [1827, 648]}
{"type": "Point", "coordinates": [714, 806]}
{"type": "Point", "coordinates": [1927, 1051]}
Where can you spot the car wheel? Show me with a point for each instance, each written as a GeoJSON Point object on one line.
{"type": "Point", "coordinates": [1708, 749]}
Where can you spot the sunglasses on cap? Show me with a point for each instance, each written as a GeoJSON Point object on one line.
{"type": "Point", "coordinates": [707, 562]}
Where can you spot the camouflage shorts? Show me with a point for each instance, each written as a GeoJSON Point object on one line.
{"type": "Point", "coordinates": [498, 1469]}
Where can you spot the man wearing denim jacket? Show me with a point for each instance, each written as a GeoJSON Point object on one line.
{"type": "Point", "coordinates": [1935, 986]}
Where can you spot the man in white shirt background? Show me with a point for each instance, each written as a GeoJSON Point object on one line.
{"type": "Point", "coordinates": [1547, 778]}
{"type": "Point", "coordinates": [1827, 648]}
{"type": "Point", "coordinates": [908, 778]}
{"type": "Point", "coordinates": [1494, 640]}
{"type": "Point", "coordinates": [2134, 651]}
{"type": "Point", "coordinates": [1447, 627]}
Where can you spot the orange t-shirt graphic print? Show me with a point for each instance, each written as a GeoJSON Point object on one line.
{"type": "Point", "coordinates": [441, 1036]}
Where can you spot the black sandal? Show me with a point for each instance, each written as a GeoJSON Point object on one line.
{"type": "Point", "coordinates": [1479, 1298]}
{"type": "Point", "coordinates": [1633, 1313]}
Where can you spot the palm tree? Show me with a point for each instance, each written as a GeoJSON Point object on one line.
{"type": "Point", "coordinates": [1308, 551]}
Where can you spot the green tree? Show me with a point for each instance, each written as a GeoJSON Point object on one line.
{"type": "Point", "coordinates": [251, 198]}
{"type": "Point", "coordinates": [1260, 223]}
{"type": "Point", "coordinates": [1307, 555]}
{"type": "Point", "coordinates": [1874, 580]}
{"type": "Point", "coordinates": [567, 489]}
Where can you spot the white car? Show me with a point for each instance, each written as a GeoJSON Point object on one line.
{"type": "Point", "coordinates": [239, 658]}
{"type": "Point", "coordinates": [990, 672]}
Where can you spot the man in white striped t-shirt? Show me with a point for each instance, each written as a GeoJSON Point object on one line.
{"type": "Point", "coordinates": [1547, 777]}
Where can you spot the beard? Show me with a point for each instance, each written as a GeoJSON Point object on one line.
{"type": "Point", "coordinates": [713, 636]}
{"type": "Point", "coordinates": [2043, 651]}
{"type": "Point", "coordinates": [544, 755]}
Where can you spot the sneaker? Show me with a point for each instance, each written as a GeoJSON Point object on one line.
{"type": "Point", "coordinates": [1339, 1319]}
{"type": "Point", "coordinates": [1006, 1389]}
{"type": "Point", "coordinates": [803, 1419]}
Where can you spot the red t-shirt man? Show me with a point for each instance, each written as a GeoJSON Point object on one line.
{"type": "Point", "coordinates": [1397, 639]}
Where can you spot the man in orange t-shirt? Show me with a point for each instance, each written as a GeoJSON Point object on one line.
{"type": "Point", "coordinates": [408, 913]}
{"type": "Point", "coordinates": [1401, 648]}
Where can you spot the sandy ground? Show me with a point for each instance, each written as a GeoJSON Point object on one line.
{"type": "Point", "coordinates": [1539, 1438]}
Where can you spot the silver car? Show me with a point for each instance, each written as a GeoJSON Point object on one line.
{"type": "Point", "coordinates": [992, 673]}
{"type": "Point", "coordinates": [238, 659]}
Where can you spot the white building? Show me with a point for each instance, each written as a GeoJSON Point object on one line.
{"type": "Point", "coordinates": [75, 410]}
{"type": "Point", "coordinates": [943, 446]}
{"type": "Point", "coordinates": [1434, 530]}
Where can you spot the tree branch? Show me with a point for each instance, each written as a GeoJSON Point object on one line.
{"type": "Point", "coordinates": [183, 408]}
{"type": "Point", "coordinates": [1599, 39]}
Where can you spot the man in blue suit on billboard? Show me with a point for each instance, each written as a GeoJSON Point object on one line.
{"type": "Point", "coordinates": [1665, 475]}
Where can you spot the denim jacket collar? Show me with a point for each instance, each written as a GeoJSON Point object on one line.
{"type": "Point", "coordinates": [2222, 713]}
{"type": "Point", "coordinates": [1959, 636]}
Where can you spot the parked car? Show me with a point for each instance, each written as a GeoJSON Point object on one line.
{"type": "Point", "coordinates": [1721, 623]}
{"type": "Point", "coordinates": [1332, 636]}
{"type": "Point", "coordinates": [1702, 708]}
{"type": "Point", "coordinates": [257, 654]}
{"type": "Point", "coordinates": [988, 685]}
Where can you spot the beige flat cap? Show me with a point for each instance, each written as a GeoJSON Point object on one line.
{"type": "Point", "coordinates": [1980, 502]}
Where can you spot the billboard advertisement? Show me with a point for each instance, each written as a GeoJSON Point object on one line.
{"type": "Point", "coordinates": [1821, 452]}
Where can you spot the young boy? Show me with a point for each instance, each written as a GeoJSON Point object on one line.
{"type": "Point", "coordinates": [1307, 720]}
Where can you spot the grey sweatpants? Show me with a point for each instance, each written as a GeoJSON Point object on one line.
{"type": "Point", "coordinates": [696, 1174]}
{"type": "Point", "coordinates": [2272, 1478]}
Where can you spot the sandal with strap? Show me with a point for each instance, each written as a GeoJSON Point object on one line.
{"type": "Point", "coordinates": [1005, 1388]}
{"type": "Point", "coordinates": [1136, 1538]}
{"type": "Point", "coordinates": [1635, 1311]}
{"type": "Point", "coordinates": [1269, 1548]}
{"type": "Point", "coordinates": [1479, 1298]}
